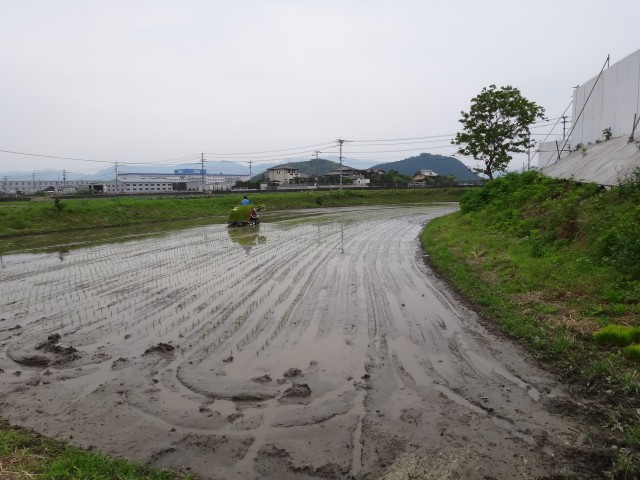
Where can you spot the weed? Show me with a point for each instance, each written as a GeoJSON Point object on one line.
{"type": "Point", "coordinates": [625, 466]}
{"type": "Point", "coordinates": [632, 436]}
{"type": "Point", "coordinates": [58, 205]}
{"type": "Point", "coordinates": [629, 382]}
{"type": "Point", "coordinates": [629, 184]}
{"type": "Point", "coordinates": [40, 457]}
{"type": "Point", "coordinates": [607, 134]}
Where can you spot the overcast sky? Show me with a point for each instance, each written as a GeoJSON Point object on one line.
{"type": "Point", "coordinates": [152, 81]}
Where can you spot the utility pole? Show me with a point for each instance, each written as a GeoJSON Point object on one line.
{"type": "Point", "coordinates": [317, 167]}
{"type": "Point", "coordinates": [202, 170]}
{"type": "Point", "coordinates": [340, 142]}
{"type": "Point", "coordinates": [34, 181]}
{"type": "Point", "coordinates": [116, 177]}
{"type": "Point", "coordinates": [64, 181]}
{"type": "Point", "coordinates": [564, 126]}
{"type": "Point", "coordinates": [636, 120]}
{"type": "Point", "coordinates": [4, 189]}
{"type": "Point", "coordinates": [250, 163]}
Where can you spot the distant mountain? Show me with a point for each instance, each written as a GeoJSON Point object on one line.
{"type": "Point", "coordinates": [442, 165]}
{"type": "Point", "coordinates": [230, 168]}
{"type": "Point", "coordinates": [347, 162]}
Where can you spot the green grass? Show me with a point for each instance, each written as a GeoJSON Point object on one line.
{"type": "Point", "coordinates": [26, 455]}
{"type": "Point", "coordinates": [555, 264]}
{"type": "Point", "coordinates": [20, 218]}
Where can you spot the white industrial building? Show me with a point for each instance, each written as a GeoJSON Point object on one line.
{"type": "Point", "coordinates": [607, 102]}
{"type": "Point", "coordinates": [182, 180]}
{"type": "Point", "coordinates": [55, 187]}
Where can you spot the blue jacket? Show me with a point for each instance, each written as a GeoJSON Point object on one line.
{"type": "Point", "coordinates": [245, 201]}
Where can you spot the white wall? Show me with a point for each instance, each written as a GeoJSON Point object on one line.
{"type": "Point", "coordinates": [614, 101]}
{"type": "Point", "coordinates": [548, 152]}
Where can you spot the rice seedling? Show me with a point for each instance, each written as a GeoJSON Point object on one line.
{"type": "Point", "coordinates": [632, 352]}
{"type": "Point", "coordinates": [620, 335]}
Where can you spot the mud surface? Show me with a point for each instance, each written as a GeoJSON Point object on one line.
{"type": "Point", "coordinates": [312, 348]}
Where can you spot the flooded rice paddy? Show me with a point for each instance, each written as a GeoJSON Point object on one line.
{"type": "Point", "coordinates": [315, 347]}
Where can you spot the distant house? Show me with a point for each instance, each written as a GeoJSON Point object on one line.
{"type": "Point", "coordinates": [360, 180]}
{"type": "Point", "coordinates": [375, 171]}
{"type": "Point", "coordinates": [282, 173]}
{"type": "Point", "coordinates": [346, 172]}
{"type": "Point", "coordinates": [422, 174]}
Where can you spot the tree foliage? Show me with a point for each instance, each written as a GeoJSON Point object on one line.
{"type": "Point", "coordinates": [392, 176]}
{"type": "Point", "coordinates": [496, 126]}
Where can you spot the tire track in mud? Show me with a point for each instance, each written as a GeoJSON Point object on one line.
{"type": "Point", "coordinates": [302, 349]}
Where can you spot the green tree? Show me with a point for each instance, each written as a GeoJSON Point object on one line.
{"type": "Point", "coordinates": [496, 126]}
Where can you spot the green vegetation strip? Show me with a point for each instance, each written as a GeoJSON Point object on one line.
{"type": "Point", "coordinates": [20, 218]}
{"type": "Point", "coordinates": [26, 455]}
{"type": "Point", "coordinates": [555, 264]}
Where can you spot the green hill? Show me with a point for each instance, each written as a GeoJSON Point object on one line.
{"type": "Point", "coordinates": [442, 165]}
{"type": "Point", "coordinates": [314, 167]}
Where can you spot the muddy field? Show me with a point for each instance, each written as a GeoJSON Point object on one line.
{"type": "Point", "coordinates": [316, 347]}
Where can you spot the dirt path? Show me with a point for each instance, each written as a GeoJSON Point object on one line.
{"type": "Point", "coordinates": [315, 348]}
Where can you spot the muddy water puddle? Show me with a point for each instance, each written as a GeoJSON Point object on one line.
{"type": "Point", "coordinates": [315, 347]}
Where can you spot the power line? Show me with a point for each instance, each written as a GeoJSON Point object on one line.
{"type": "Point", "coordinates": [231, 154]}
{"type": "Point", "coordinates": [402, 139]}
{"type": "Point", "coordinates": [52, 156]}
{"type": "Point", "coordinates": [405, 143]}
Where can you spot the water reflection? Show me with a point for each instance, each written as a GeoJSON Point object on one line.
{"type": "Point", "coordinates": [247, 237]}
{"type": "Point", "coordinates": [77, 239]}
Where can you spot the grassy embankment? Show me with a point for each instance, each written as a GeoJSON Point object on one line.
{"type": "Point", "coordinates": [18, 218]}
{"type": "Point", "coordinates": [557, 265]}
{"type": "Point", "coordinates": [25, 455]}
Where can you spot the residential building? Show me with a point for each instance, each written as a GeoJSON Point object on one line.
{"type": "Point", "coordinates": [282, 173]}
{"type": "Point", "coordinates": [346, 172]}
{"type": "Point", "coordinates": [424, 173]}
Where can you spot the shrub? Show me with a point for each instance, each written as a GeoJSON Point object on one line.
{"type": "Point", "coordinates": [629, 185]}
{"type": "Point", "coordinates": [58, 205]}
{"type": "Point", "coordinates": [617, 242]}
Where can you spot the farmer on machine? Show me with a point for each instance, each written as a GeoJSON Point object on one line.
{"type": "Point", "coordinates": [245, 201]}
